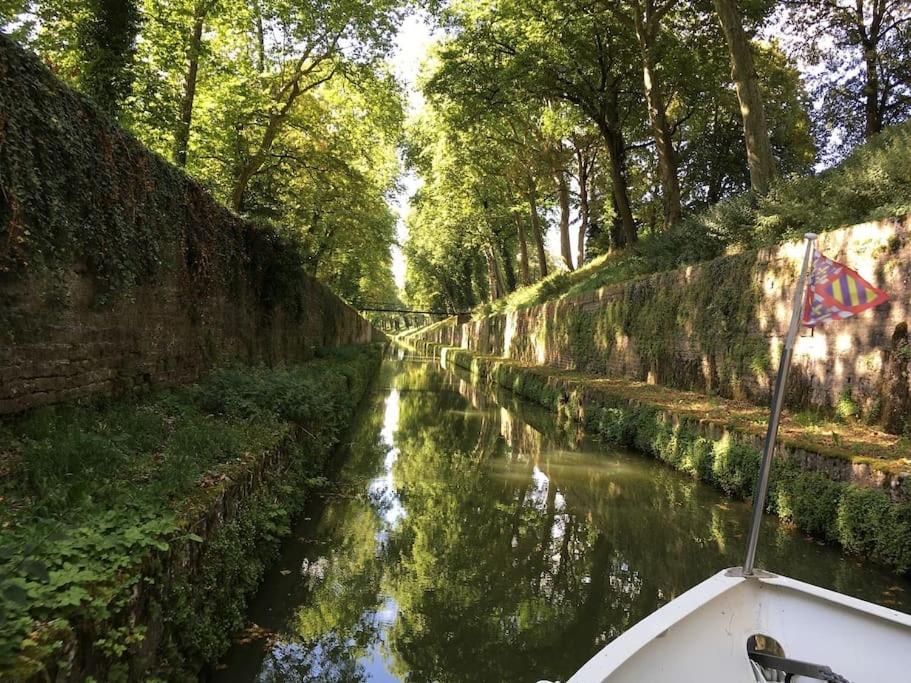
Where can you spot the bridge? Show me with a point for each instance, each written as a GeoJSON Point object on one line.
{"type": "Point", "coordinates": [393, 308]}
{"type": "Point", "coordinates": [394, 317]}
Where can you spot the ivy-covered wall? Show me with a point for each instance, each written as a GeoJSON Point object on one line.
{"type": "Point", "coordinates": [118, 271]}
{"type": "Point", "coordinates": [717, 327]}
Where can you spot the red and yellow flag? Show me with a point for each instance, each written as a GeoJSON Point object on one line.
{"type": "Point", "coordinates": [836, 291]}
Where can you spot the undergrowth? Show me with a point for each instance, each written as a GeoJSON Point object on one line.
{"type": "Point", "coordinates": [96, 496]}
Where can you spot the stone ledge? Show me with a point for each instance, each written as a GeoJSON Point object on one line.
{"type": "Point", "coordinates": [580, 394]}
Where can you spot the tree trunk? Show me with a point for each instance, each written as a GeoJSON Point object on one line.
{"type": "Point", "coordinates": [583, 207]}
{"type": "Point", "coordinates": [509, 272]}
{"type": "Point", "coordinates": [182, 137]}
{"type": "Point", "coordinates": [523, 251]}
{"type": "Point", "coordinates": [661, 131]}
{"type": "Point", "coordinates": [872, 113]}
{"type": "Point", "coordinates": [616, 154]}
{"type": "Point", "coordinates": [260, 41]}
{"type": "Point", "coordinates": [743, 72]}
{"type": "Point", "coordinates": [617, 239]}
{"type": "Point", "coordinates": [563, 196]}
{"type": "Point", "coordinates": [106, 40]}
{"type": "Point", "coordinates": [536, 233]}
{"type": "Point", "coordinates": [254, 163]}
{"type": "Point", "coordinates": [467, 288]}
{"type": "Point", "coordinates": [494, 284]}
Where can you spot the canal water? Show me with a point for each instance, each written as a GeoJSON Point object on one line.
{"type": "Point", "coordinates": [472, 539]}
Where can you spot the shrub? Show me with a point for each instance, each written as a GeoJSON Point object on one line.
{"type": "Point", "coordinates": [814, 502]}
{"type": "Point", "coordinates": [870, 524]}
{"type": "Point", "coordinates": [736, 468]}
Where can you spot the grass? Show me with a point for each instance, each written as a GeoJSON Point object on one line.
{"type": "Point", "coordinates": [89, 492]}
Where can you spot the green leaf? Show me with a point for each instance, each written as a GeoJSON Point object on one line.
{"type": "Point", "coordinates": [15, 594]}
{"type": "Point", "coordinates": [36, 570]}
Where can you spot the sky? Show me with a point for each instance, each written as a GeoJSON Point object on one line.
{"type": "Point", "coordinates": [415, 37]}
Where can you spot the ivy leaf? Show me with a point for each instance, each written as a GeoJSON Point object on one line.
{"type": "Point", "coordinates": [36, 570]}
{"type": "Point", "coordinates": [15, 594]}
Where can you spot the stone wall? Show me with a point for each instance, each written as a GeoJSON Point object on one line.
{"type": "Point", "coordinates": [118, 271]}
{"type": "Point", "coordinates": [717, 327]}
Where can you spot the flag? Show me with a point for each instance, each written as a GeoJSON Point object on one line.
{"type": "Point", "coordinates": [836, 291]}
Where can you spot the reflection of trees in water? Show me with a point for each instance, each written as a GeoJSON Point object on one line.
{"type": "Point", "coordinates": [338, 622]}
{"type": "Point", "coordinates": [516, 559]}
{"type": "Point", "coordinates": [329, 661]}
{"type": "Point", "coordinates": [495, 576]}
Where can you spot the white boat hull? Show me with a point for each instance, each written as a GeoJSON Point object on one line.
{"type": "Point", "coordinates": [702, 635]}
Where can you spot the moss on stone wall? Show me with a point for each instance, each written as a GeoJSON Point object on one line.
{"type": "Point", "coordinates": [119, 273]}
{"type": "Point", "coordinates": [673, 321]}
{"type": "Point", "coordinates": [717, 327]}
{"type": "Point", "coordinates": [75, 188]}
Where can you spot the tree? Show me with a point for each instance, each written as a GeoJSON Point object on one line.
{"type": "Point", "coordinates": [90, 43]}
{"type": "Point", "coordinates": [572, 52]}
{"type": "Point", "coordinates": [201, 10]}
{"type": "Point", "coordinates": [313, 42]}
{"type": "Point", "coordinates": [586, 150]}
{"type": "Point", "coordinates": [107, 40]}
{"type": "Point", "coordinates": [647, 18]}
{"type": "Point", "coordinates": [861, 49]}
{"type": "Point", "coordinates": [711, 161]}
{"type": "Point", "coordinates": [743, 72]}
{"type": "Point", "coordinates": [463, 236]}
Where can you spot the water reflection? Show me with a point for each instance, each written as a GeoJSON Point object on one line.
{"type": "Point", "coordinates": [473, 540]}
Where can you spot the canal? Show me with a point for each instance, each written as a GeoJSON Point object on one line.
{"type": "Point", "coordinates": [469, 538]}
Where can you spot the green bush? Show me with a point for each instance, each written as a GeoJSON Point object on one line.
{"type": "Point", "coordinates": [613, 425]}
{"type": "Point", "coordinates": [701, 458]}
{"type": "Point", "coordinates": [812, 503]}
{"type": "Point", "coordinates": [870, 524]}
{"type": "Point", "coordinates": [735, 467]}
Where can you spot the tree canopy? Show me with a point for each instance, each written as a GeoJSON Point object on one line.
{"type": "Point", "coordinates": [613, 122]}
{"type": "Point", "coordinates": [551, 131]}
{"type": "Point", "coordinates": [287, 111]}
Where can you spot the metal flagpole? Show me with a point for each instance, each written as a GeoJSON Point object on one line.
{"type": "Point", "coordinates": [777, 402]}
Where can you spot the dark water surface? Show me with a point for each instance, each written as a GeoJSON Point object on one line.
{"type": "Point", "coordinates": [472, 539]}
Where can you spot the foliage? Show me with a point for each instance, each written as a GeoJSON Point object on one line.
{"type": "Point", "coordinates": [284, 111]}
{"type": "Point", "coordinates": [98, 494]}
{"type": "Point", "coordinates": [873, 183]}
{"type": "Point", "coordinates": [857, 55]}
{"type": "Point", "coordinates": [543, 99]}
{"type": "Point", "coordinates": [107, 41]}
{"type": "Point", "coordinates": [79, 192]}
